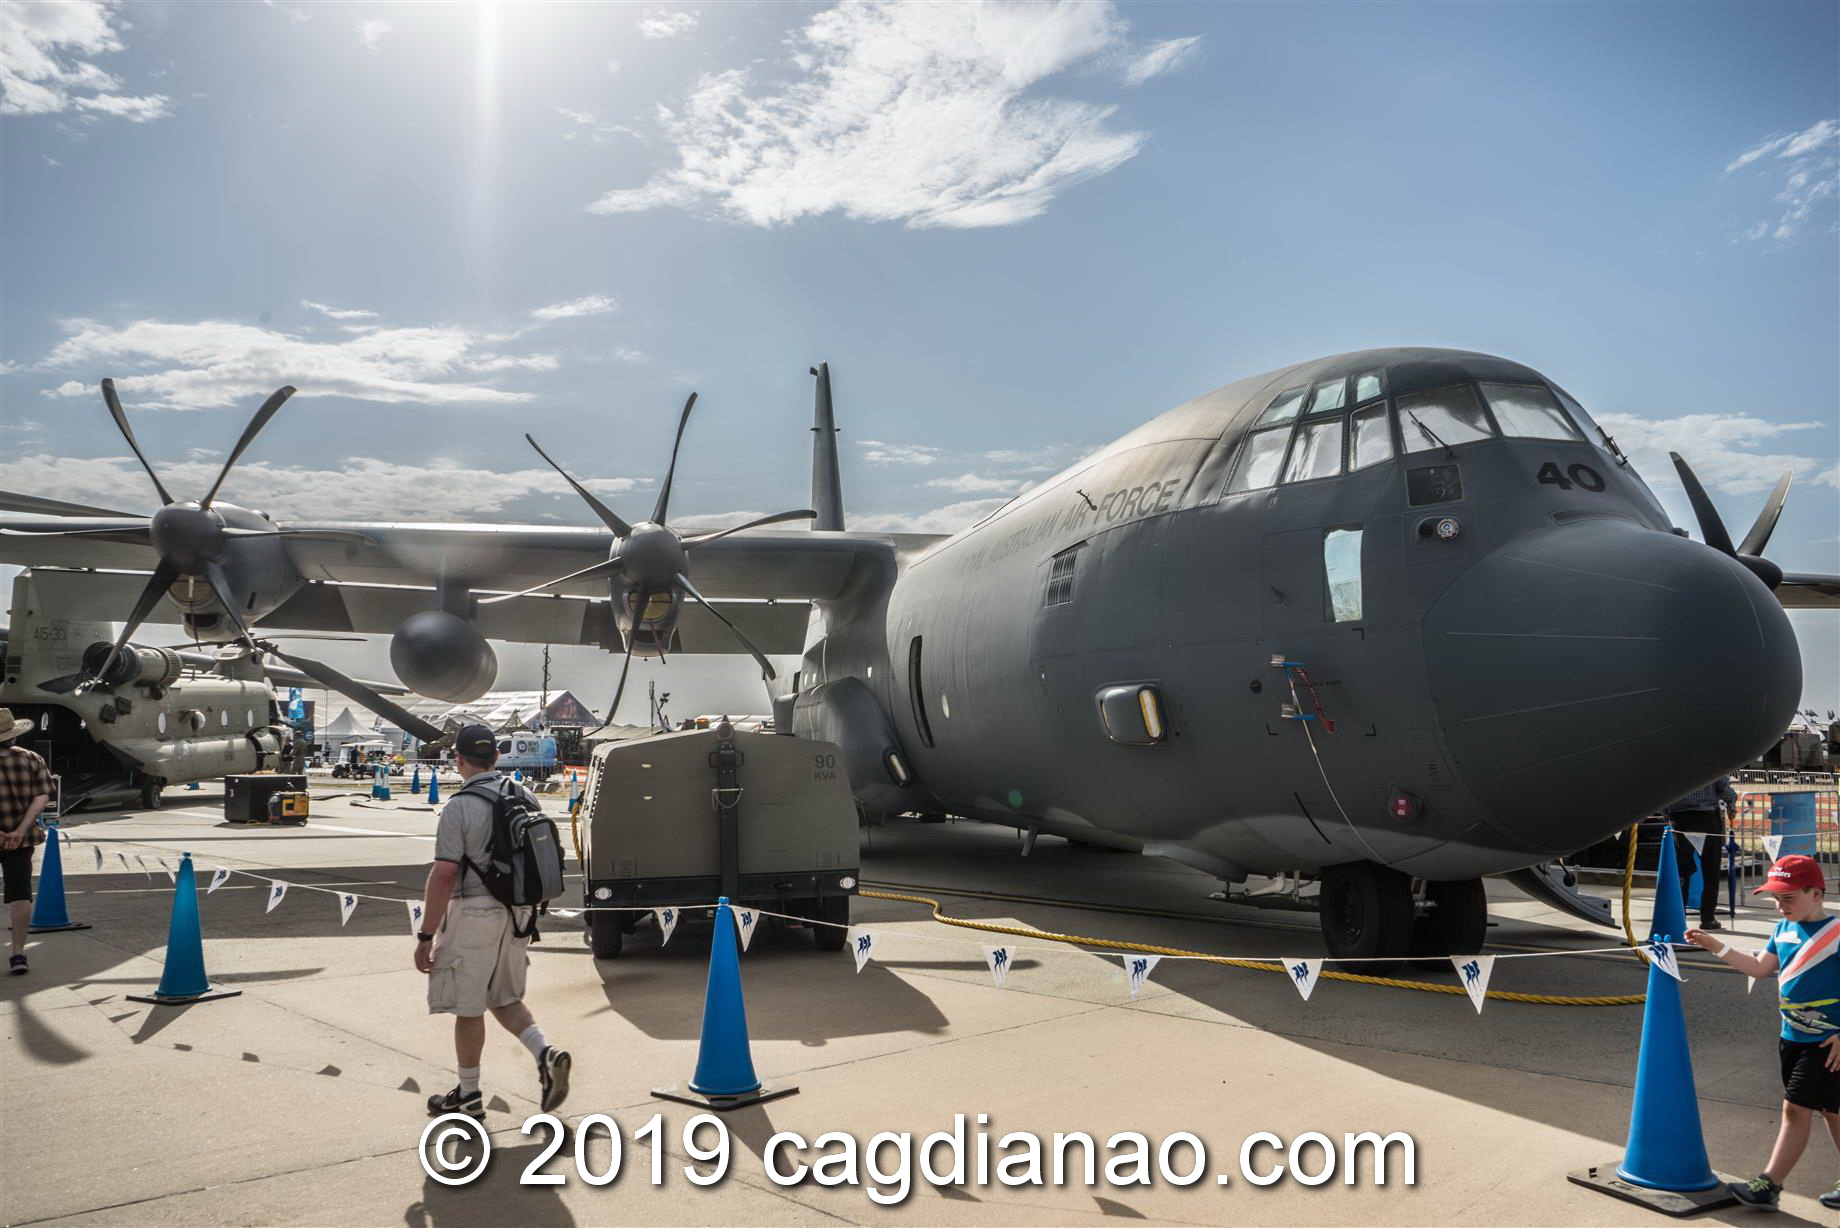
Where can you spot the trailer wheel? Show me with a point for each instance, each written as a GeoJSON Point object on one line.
{"type": "Point", "coordinates": [604, 936]}
{"type": "Point", "coordinates": [834, 910]}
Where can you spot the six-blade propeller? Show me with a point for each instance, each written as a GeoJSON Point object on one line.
{"type": "Point", "coordinates": [1712, 527]}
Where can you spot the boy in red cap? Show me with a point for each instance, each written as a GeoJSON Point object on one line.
{"type": "Point", "coordinates": [1801, 954]}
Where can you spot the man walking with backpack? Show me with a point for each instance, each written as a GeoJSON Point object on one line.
{"type": "Point", "coordinates": [477, 925]}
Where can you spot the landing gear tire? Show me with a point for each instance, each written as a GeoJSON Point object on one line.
{"type": "Point", "coordinates": [604, 936]}
{"type": "Point", "coordinates": [1456, 923]}
{"type": "Point", "coordinates": [834, 910]}
{"type": "Point", "coordinates": [1366, 913]}
{"type": "Point", "coordinates": [150, 794]}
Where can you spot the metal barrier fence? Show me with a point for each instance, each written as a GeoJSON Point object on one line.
{"type": "Point", "coordinates": [1805, 812]}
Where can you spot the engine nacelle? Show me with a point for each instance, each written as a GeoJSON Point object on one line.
{"type": "Point", "coordinates": [155, 667]}
{"type": "Point", "coordinates": [443, 656]}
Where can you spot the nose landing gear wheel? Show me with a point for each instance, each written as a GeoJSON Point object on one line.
{"type": "Point", "coordinates": [1366, 913]}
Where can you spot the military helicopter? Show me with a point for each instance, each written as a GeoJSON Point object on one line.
{"type": "Point", "coordinates": [150, 717]}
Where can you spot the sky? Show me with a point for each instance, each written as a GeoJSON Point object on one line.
{"type": "Point", "coordinates": [1015, 231]}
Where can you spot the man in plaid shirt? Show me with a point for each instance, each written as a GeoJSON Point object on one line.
{"type": "Point", "coordinates": [25, 791]}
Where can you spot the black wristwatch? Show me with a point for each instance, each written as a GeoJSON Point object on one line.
{"type": "Point", "coordinates": [421, 937]}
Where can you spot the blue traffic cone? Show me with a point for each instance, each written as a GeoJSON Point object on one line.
{"type": "Point", "coordinates": [415, 779]}
{"type": "Point", "coordinates": [434, 788]}
{"type": "Point", "coordinates": [724, 1077]}
{"type": "Point", "coordinates": [572, 794]}
{"type": "Point", "coordinates": [517, 774]}
{"type": "Point", "coordinates": [184, 980]}
{"type": "Point", "coordinates": [48, 911]}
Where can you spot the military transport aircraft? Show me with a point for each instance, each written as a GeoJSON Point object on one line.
{"type": "Point", "coordinates": [1390, 621]}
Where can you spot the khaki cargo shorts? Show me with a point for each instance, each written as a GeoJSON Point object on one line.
{"type": "Point", "coordinates": [477, 962]}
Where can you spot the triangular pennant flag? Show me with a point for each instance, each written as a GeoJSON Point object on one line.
{"type": "Point", "coordinates": [1773, 846]}
{"type": "Point", "coordinates": [862, 945]}
{"type": "Point", "coordinates": [1662, 955]}
{"type": "Point", "coordinates": [1303, 974]}
{"type": "Point", "coordinates": [123, 859]}
{"type": "Point", "coordinates": [415, 916]}
{"type": "Point", "coordinates": [667, 923]}
{"type": "Point", "coordinates": [1475, 970]}
{"type": "Point", "coordinates": [275, 891]}
{"type": "Point", "coordinates": [348, 904]}
{"type": "Point", "coordinates": [219, 877]}
{"type": "Point", "coordinates": [998, 959]}
{"type": "Point", "coordinates": [142, 862]}
{"type": "Point", "coordinates": [745, 920]}
{"type": "Point", "coordinates": [170, 876]}
{"type": "Point", "coordinates": [98, 853]}
{"type": "Point", "coordinates": [1137, 971]}
{"type": "Point", "coordinates": [1698, 840]}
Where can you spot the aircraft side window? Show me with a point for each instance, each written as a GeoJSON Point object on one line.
{"type": "Point", "coordinates": [1595, 433]}
{"type": "Point", "coordinates": [1283, 409]}
{"type": "Point", "coordinates": [1328, 396]}
{"type": "Point", "coordinates": [1060, 577]}
{"type": "Point", "coordinates": [1317, 452]}
{"type": "Point", "coordinates": [1259, 459]}
{"type": "Point", "coordinates": [223, 718]}
{"type": "Point", "coordinates": [1371, 439]}
{"type": "Point", "coordinates": [1528, 412]}
{"type": "Point", "coordinates": [1443, 417]}
{"type": "Point", "coordinates": [1342, 568]}
{"type": "Point", "coordinates": [1367, 386]}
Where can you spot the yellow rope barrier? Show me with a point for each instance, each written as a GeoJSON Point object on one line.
{"type": "Point", "coordinates": [1500, 995]}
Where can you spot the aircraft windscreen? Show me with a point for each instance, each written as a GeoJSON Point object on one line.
{"type": "Point", "coordinates": [1317, 453]}
{"type": "Point", "coordinates": [1528, 412]}
{"type": "Point", "coordinates": [1443, 417]}
{"type": "Point", "coordinates": [1372, 441]}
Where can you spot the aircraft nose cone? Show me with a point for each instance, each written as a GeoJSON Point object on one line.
{"type": "Point", "coordinates": [1590, 673]}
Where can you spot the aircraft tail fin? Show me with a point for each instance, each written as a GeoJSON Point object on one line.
{"type": "Point", "coordinates": [826, 482]}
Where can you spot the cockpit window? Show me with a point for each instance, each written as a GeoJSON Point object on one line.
{"type": "Point", "coordinates": [1259, 458]}
{"type": "Point", "coordinates": [1593, 432]}
{"type": "Point", "coordinates": [1328, 396]}
{"type": "Point", "coordinates": [1528, 412]}
{"type": "Point", "coordinates": [1366, 386]}
{"type": "Point", "coordinates": [1370, 440]}
{"type": "Point", "coordinates": [1317, 452]}
{"type": "Point", "coordinates": [1443, 417]}
{"type": "Point", "coordinates": [1283, 409]}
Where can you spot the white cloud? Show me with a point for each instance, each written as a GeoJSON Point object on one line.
{"type": "Point", "coordinates": [1160, 58]}
{"type": "Point", "coordinates": [339, 313]}
{"type": "Point", "coordinates": [586, 305]}
{"type": "Point", "coordinates": [41, 69]}
{"type": "Point", "coordinates": [292, 14]}
{"type": "Point", "coordinates": [914, 112]}
{"type": "Point", "coordinates": [876, 452]}
{"type": "Point", "coordinates": [627, 353]}
{"type": "Point", "coordinates": [371, 32]}
{"type": "Point", "coordinates": [597, 129]}
{"type": "Point", "coordinates": [975, 484]}
{"type": "Point", "coordinates": [666, 23]}
{"type": "Point", "coordinates": [948, 519]}
{"type": "Point", "coordinates": [1802, 168]}
{"type": "Point", "coordinates": [216, 363]}
{"type": "Point", "coordinates": [613, 66]}
{"type": "Point", "coordinates": [363, 489]}
{"type": "Point", "coordinates": [1720, 447]}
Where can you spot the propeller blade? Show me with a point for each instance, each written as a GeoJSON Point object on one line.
{"type": "Point", "coordinates": [604, 568]}
{"type": "Point", "coordinates": [632, 644]}
{"type": "Point", "coordinates": [804, 513]}
{"type": "Point", "coordinates": [1710, 526]}
{"type": "Point", "coordinates": [121, 422]}
{"type": "Point", "coordinates": [664, 493]}
{"type": "Point", "coordinates": [220, 585]}
{"type": "Point", "coordinates": [13, 501]}
{"type": "Point", "coordinates": [352, 689]}
{"type": "Point", "coordinates": [276, 400]}
{"type": "Point", "coordinates": [1759, 536]}
{"type": "Point", "coordinates": [157, 584]}
{"type": "Point", "coordinates": [606, 514]}
{"type": "Point", "coordinates": [766, 666]}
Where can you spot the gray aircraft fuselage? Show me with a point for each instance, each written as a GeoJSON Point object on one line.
{"type": "Point", "coordinates": [1517, 642]}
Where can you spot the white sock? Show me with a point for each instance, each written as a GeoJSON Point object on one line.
{"type": "Point", "coordinates": [469, 1079]}
{"type": "Point", "coordinates": [532, 1037]}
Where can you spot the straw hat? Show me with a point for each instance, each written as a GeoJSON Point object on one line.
{"type": "Point", "coordinates": [10, 728]}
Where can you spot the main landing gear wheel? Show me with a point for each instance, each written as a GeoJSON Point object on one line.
{"type": "Point", "coordinates": [1366, 913]}
{"type": "Point", "coordinates": [150, 794]}
{"type": "Point", "coordinates": [1455, 922]}
{"type": "Point", "coordinates": [604, 936]}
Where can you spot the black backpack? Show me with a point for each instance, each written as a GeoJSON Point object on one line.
{"type": "Point", "coordinates": [523, 856]}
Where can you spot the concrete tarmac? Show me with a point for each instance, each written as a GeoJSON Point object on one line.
{"type": "Point", "coordinates": [301, 1101]}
